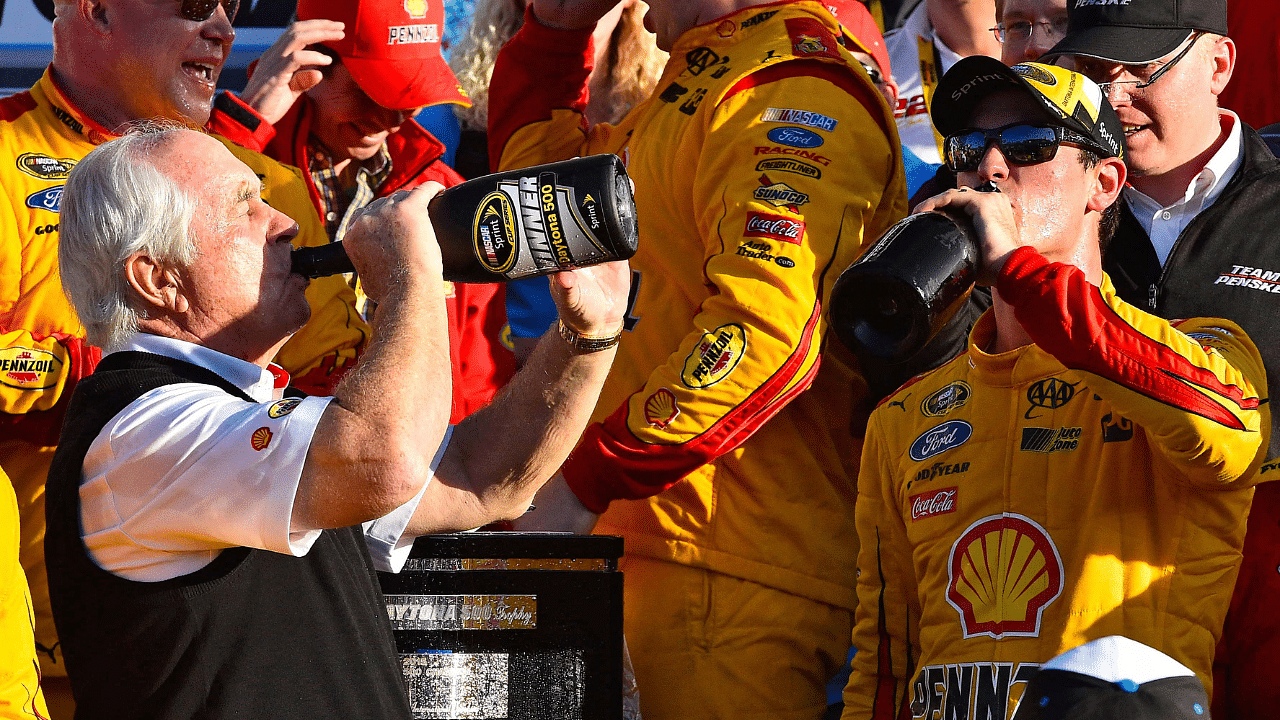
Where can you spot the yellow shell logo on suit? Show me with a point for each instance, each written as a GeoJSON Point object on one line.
{"type": "Point", "coordinates": [1003, 572]}
{"type": "Point", "coordinates": [417, 9]}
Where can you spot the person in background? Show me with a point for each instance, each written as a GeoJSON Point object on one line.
{"type": "Point", "coordinates": [212, 543]}
{"type": "Point", "coordinates": [20, 693]}
{"type": "Point", "coordinates": [1197, 237]}
{"type": "Point", "coordinates": [762, 161]}
{"type": "Point", "coordinates": [934, 36]}
{"type": "Point", "coordinates": [1028, 29]}
{"type": "Point", "coordinates": [627, 65]}
{"type": "Point", "coordinates": [1084, 469]}
{"type": "Point", "coordinates": [336, 95]}
{"type": "Point", "coordinates": [114, 62]}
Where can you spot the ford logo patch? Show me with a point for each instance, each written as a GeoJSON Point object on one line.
{"type": "Point", "coordinates": [47, 199]}
{"type": "Point", "coordinates": [795, 137]}
{"type": "Point", "coordinates": [940, 438]}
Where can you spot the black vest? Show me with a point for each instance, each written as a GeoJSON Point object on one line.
{"type": "Point", "coordinates": [254, 634]}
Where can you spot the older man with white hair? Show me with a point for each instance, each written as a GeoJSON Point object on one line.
{"type": "Point", "coordinates": [209, 540]}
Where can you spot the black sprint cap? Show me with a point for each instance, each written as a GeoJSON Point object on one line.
{"type": "Point", "coordinates": [1135, 32]}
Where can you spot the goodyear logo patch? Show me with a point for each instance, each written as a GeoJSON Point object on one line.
{"type": "Point", "coordinates": [715, 356]}
{"type": "Point", "coordinates": [791, 166]}
{"type": "Point", "coordinates": [660, 409]}
{"type": "Point", "coordinates": [27, 368]}
{"type": "Point", "coordinates": [799, 117]}
{"type": "Point", "coordinates": [44, 167]}
{"type": "Point", "coordinates": [940, 438]}
{"type": "Point", "coordinates": [494, 232]}
{"type": "Point", "coordinates": [946, 399]}
{"type": "Point", "coordinates": [280, 408]}
{"type": "Point", "coordinates": [48, 199]}
{"type": "Point", "coordinates": [1001, 575]}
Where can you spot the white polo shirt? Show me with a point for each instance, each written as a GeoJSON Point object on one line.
{"type": "Point", "coordinates": [188, 470]}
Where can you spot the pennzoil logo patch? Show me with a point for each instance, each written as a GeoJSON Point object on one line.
{"type": "Point", "coordinates": [260, 439]}
{"type": "Point", "coordinates": [714, 357]}
{"type": "Point", "coordinates": [280, 408]}
{"type": "Point", "coordinates": [27, 368]}
{"type": "Point", "coordinates": [44, 167]}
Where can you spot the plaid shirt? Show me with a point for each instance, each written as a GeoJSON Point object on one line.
{"type": "Point", "coordinates": [342, 203]}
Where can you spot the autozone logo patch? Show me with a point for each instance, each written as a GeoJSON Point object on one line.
{"type": "Point", "coordinates": [1001, 575]}
{"type": "Point", "coordinates": [27, 368]}
{"type": "Point", "coordinates": [940, 438]}
{"type": "Point", "coordinates": [970, 691]}
{"type": "Point", "coordinates": [934, 502]}
{"type": "Point", "coordinates": [715, 356]}
{"type": "Point", "coordinates": [1047, 440]}
{"type": "Point", "coordinates": [1251, 277]}
{"type": "Point", "coordinates": [1051, 393]}
{"type": "Point", "coordinates": [774, 227]}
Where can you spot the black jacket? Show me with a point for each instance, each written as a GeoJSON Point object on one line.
{"type": "Point", "coordinates": [1226, 263]}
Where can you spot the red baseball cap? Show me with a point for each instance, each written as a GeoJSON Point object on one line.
{"type": "Point", "coordinates": [858, 24]}
{"type": "Point", "coordinates": [392, 49]}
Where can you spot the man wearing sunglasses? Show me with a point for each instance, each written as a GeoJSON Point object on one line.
{"type": "Point", "coordinates": [1040, 490]}
{"type": "Point", "coordinates": [115, 62]}
{"type": "Point", "coordinates": [1199, 236]}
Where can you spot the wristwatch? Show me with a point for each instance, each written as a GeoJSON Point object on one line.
{"type": "Point", "coordinates": [588, 343]}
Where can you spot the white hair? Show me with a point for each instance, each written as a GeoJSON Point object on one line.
{"type": "Point", "coordinates": [116, 204]}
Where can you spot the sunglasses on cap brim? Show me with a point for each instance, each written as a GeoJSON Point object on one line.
{"type": "Point", "coordinates": [1020, 143]}
{"type": "Point", "coordinates": [201, 10]}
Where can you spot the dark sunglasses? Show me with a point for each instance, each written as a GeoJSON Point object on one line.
{"type": "Point", "coordinates": [1021, 144]}
{"type": "Point", "coordinates": [201, 10]}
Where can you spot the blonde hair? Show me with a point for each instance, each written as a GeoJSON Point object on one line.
{"type": "Point", "coordinates": [627, 74]}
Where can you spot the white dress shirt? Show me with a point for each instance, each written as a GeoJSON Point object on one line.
{"type": "Point", "coordinates": [1165, 224]}
{"type": "Point", "coordinates": [188, 470]}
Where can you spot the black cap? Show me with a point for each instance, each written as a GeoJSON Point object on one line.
{"type": "Point", "coordinates": [1113, 678]}
{"type": "Point", "coordinates": [1137, 31]}
{"type": "Point", "coordinates": [1070, 99]}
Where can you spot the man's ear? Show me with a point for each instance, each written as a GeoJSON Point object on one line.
{"type": "Point", "coordinates": [156, 285]}
{"type": "Point", "coordinates": [1222, 59]}
{"type": "Point", "coordinates": [1110, 174]}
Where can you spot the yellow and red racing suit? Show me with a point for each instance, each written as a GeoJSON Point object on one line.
{"type": "Point", "coordinates": [761, 163]}
{"type": "Point", "coordinates": [42, 351]}
{"type": "Point", "coordinates": [1016, 505]}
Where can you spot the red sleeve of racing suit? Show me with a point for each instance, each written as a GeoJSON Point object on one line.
{"type": "Point", "coordinates": [239, 123]}
{"type": "Point", "coordinates": [1196, 385]}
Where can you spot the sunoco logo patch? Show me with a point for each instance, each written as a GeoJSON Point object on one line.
{"type": "Point", "coordinates": [494, 231]}
{"type": "Point", "coordinates": [714, 357]}
{"type": "Point", "coordinates": [29, 368]}
{"type": "Point", "coordinates": [44, 167]}
{"type": "Point", "coordinates": [940, 438]}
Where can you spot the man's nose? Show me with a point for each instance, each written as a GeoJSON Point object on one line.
{"type": "Point", "coordinates": [994, 166]}
{"type": "Point", "coordinates": [218, 27]}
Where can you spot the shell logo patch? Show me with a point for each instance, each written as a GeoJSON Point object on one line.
{"type": "Point", "coordinates": [1001, 575]}
{"type": "Point", "coordinates": [260, 439]}
{"type": "Point", "coordinates": [726, 29]}
{"type": "Point", "coordinates": [714, 357]}
{"type": "Point", "coordinates": [417, 9]}
{"type": "Point", "coordinates": [661, 408]}
{"type": "Point", "coordinates": [27, 368]}
{"type": "Point", "coordinates": [280, 408]}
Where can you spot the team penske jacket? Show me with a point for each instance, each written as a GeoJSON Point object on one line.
{"type": "Point", "coordinates": [42, 353]}
{"type": "Point", "coordinates": [762, 161]}
{"type": "Point", "coordinates": [1016, 505]}
{"type": "Point", "coordinates": [477, 315]}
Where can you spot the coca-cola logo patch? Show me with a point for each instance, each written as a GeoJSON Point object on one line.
{"type": "Point", "coordinates": [934, 502]}
{"type": "Point", "coordinates": [774, 227]}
